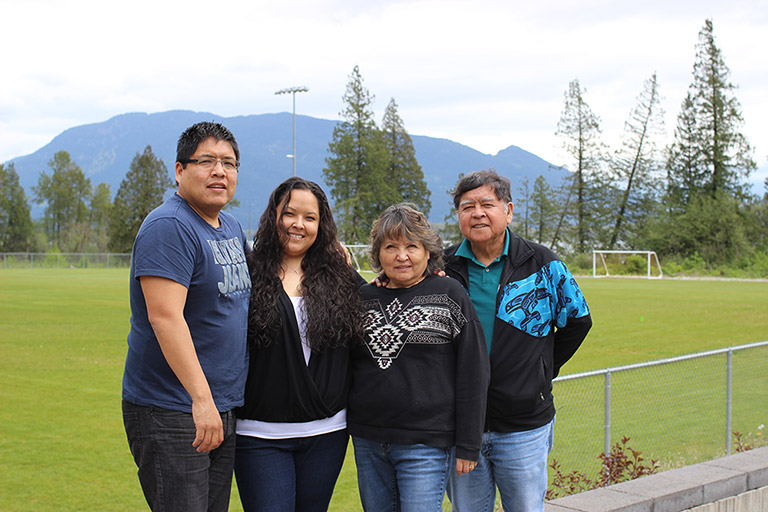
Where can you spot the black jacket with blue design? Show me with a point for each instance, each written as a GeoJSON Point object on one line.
{"type": "Point", "coordinates": [541, 319]}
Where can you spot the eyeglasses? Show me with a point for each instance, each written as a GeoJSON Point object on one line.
{"type": "Point", "coordinates": [208, 164]}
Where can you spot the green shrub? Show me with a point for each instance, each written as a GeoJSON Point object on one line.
{"type": "Point", "coordinates": [621, 464]}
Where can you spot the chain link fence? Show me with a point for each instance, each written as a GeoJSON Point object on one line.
{"type": "Point", "coordinates": [64, 260]}
{"type": "Point", "coordinates": [358, 254]}
{"type": "Point", "coordinates": [676, 411]}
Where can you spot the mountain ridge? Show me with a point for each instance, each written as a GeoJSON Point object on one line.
{"type": "Point", "coordinates": [104, 151]}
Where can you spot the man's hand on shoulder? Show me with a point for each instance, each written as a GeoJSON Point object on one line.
{"type": "Point", "coordinates": [380, 280]}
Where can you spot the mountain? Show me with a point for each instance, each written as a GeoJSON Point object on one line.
{"type": "Point", "coordinates": [104, 151]}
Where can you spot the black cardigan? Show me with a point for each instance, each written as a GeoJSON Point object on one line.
{"type": "Point", "coordinates": [282, 388]}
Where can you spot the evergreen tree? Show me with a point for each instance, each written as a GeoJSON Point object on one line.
{"type": "Point", "coordinates": [543, 210]}
{"type": "Point", "coordinates": [580, 129]}
{"type": "Point", "coordinates": [757, 227]}
{"type": "Point", "coordinates": [16, 232]}
{"type": "Point", "coordinates": [65, 193]}
{"type": "Point", "coordinates": [140, 192]}
{"type": "Point", "coordinates": [450, 231]}
{"type": "Point", "coordinates": [101, 206]}
{"type": "Point", "coordinates": [685, 159]}
{"type": "Point", "coordinates": [708, 165]}
{"type": "Point", "coordinates": [563, 227]}
{"type": "Point", "coordinates": [765, 189]}
{"type": "Point", "coordinates": [714, 228]}
{"type": "Point", "coordinates": [404, 170]}
{"type": "Point", "coordinates": [636, 161]}
{"type": "Point", "coordinates": [724, 156]}
{"type": "Point", "coordinates": [522, 208]}
{"type": "Point", "coordinates": [356, 171]}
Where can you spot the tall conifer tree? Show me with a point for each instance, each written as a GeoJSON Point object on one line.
{"type": "Point", "coordinates": [141, 191]}
{"type": "Point", "coordinates": [403, 169]}
{"type": "Point", "coordinates": [708, 165]}
{"type": "Point", "coordinates": [635, 164]}
{"type": "Point", "coordinates": [101, 207]}
{"type": "Point", "coordinates": [356, 170]}
{"type": "Point", "coordinates": [543, 210]}
{"type": "Point", "coordinates": [522, 209]}
{"type": "Point", "coordinates": [685, 159]}
{"type": "Point", "coordinates": [580, 129]}
{"type": "Point", "coordinates": [710, 153]}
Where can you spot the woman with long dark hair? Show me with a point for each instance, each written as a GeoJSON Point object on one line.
{"type": "Point", "coordinates": [305, 313]}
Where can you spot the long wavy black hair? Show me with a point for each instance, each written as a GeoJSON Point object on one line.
{"type": "Point", "coordinates": [329, 286]}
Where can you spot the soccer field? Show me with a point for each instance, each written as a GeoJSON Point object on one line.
{"type": "Point", "coordinates": [62, 345]}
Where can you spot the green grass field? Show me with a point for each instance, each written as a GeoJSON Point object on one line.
{"type": "Point", "coordinates": [62, 345]}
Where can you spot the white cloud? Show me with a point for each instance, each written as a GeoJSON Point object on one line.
{"type": "Point", "coordinates": [488, 74]}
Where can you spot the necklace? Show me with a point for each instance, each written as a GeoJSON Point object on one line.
{"type": "Point", "coordinates": [295, 270]}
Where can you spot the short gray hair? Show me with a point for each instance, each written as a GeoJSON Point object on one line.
{"type": "Point", "coordinates": [500, 185]}
{"type": "Point", "coordinates": [403, 220]}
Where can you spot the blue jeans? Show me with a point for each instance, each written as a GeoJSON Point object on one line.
{"type": "Point", "coordinates": [174, 476]}
{"type": "Point", "coordinates": [401, 477]}
{"type": "Point", "coordinates": [516, 462]}
{"type": "Point", "coordinates": [286, 475]}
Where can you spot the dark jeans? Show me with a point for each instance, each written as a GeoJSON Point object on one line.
{"type": "Point", "coordinates": [173, 475]}
{"type": "Point", "coordinates": [287, 475]}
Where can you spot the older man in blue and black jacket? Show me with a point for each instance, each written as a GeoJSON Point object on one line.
{"type": "Point", "coordinates": [534, 318]}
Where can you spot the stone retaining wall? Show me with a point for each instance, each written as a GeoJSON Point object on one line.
{"type": "Point", "coordinates": [727, 484]}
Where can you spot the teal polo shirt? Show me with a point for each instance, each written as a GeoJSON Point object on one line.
{"type": "Point", "coordinates": [484, 285]}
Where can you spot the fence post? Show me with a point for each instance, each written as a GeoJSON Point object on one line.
{"type": "Point", "coordinates": [607, 421]}
{"type": "Point", "coordinates": [728, 395]}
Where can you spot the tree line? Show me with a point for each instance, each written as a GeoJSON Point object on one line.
{"type": "Point", "coordinates": [368, 169]}
{"type": "Point", "coordinates": [688, 199]}
{"type": "Point", "coordinates": [79, 217]}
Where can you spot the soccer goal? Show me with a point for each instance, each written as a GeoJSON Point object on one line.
{"type": "Point", "coordinates": [359, 256]}
{"type": "Point", "coordinates": [626, 264]}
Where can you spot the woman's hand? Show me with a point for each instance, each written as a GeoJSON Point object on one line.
{"type": "Point", "coordinates": [464, 466]}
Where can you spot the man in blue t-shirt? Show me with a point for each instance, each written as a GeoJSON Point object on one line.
{"type": "Point", "coordinates": [187, 362]}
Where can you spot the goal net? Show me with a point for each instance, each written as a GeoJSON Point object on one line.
{"type": "Point", "coordinates": [626, 264]}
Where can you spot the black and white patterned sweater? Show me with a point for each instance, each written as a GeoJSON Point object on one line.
{"type": "Point", "coordinates": [421, 375]}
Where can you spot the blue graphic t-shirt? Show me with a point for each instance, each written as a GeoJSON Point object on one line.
{"type": "Point", "coordinates": [176, 243]}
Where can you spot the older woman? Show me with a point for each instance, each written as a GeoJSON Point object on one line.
{"type": "Point", "coordinates": [304, 315]}
{"type": "Point", "coordinates": [419, 381]}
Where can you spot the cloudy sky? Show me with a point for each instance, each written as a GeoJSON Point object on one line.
{"type": "Point", "coordinates": [488, 74]}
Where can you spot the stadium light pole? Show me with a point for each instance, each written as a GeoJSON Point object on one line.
{"type": "Point", "coordinates": [292, 91]}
